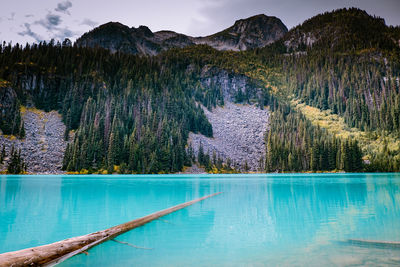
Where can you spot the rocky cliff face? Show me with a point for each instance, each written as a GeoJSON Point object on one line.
{"type": "Point", "coordinates": [10, 117]}
{"type": "Point", "coordinates": [252, 32]}
{"type": "Point", "coordinates": [8, 104]}
{"type": "Point", "coordinates": [229, 84]}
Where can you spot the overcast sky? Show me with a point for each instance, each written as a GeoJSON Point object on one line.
{"type": "Point", "coordinates": [34, 20]}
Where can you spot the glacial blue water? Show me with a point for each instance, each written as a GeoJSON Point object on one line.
{"type": "Point", "coordinates": [258, 220]}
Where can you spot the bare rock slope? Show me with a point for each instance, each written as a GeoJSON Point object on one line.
{"type": "Point", "coordinates": [238, 134]}
{"type": "Point", "coordinates": [43, 146]}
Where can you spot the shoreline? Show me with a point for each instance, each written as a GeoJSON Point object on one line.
{"type": "Point", "coordinates": [209, 174]}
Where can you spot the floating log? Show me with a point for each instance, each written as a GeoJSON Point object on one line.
{"type": "Point", "coordinates": [374, 243]}
{"type": "Point", "coordinates": [51, 254]}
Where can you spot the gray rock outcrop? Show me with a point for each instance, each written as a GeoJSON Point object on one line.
{"type": "Point", "coordinates": [238, 134]}
{"type": "Point", "coordinates": [253, 32]}
{"type": "Point", "coordinates": [43, 146]}
{"type": "Point", "coordinates": [230, 84]}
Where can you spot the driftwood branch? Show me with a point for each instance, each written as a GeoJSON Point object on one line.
{"type": "Point", "coordinates": [49, 255]}
{"type": "Point", "coordinates": [129, 244]}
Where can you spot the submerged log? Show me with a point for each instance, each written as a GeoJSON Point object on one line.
{"type": "Point", "coordinates": [374, 243]}
{"type": "Point", "coordinates": [51, 254]}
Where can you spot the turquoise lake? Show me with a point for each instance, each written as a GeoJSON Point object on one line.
{"type": "Point", "coordinates": [258, 220]}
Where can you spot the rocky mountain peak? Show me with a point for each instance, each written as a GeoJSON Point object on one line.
{"type": "Point", "coordinates": [112, 35]}
{"type": "Point", "coordinates": [110, 28]}
{"type": "Point", "coordinates": [259, 22]}
{"type": "Point", "coordinates": [145, 31]}
{"type": "Point", "coordinates": [253, 32]}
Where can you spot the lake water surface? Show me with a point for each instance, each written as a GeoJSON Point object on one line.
{"type": "Point", "coordinates": [258, 220]}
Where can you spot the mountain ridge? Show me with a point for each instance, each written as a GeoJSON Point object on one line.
{"type": "Point", "coordinates": [256, 31]}
{"type": "Point", "coordinates": [343, 30]}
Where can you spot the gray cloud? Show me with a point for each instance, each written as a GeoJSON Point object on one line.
{"type": "Point", "coordinates": [89, 22]}
{"type": "Point", "coordinates": [53, 19]}
{"type": "Point", "coordinates": [30, 33]}
{"type": "Point", "coordinates": [63, 7]}
{"type": "Point", "coordinates": [53, 24]}
{"type": "Point", "coordinates": [50, 21]}
{"type": "Point", "coordinates": [29, 16]}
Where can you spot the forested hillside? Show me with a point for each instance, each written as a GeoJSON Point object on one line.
{"type": "Point", "coordinates": [332, 84]}
{"type": "Point", "coordinates": [347, 63]}
{"type": "Point", "coordinates": [125, 110]}
{"type": "Point", "coordinates": [341, 78]}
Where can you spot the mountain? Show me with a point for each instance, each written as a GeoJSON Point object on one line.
{"type": "Point", "coordinates": [253, 32]}
{"type": "Point", "coordinates": [343, 30]}
{"type": "Point", "coordinates": [118, 37]}
{"type": "Point", "coordinates": [323, 97]}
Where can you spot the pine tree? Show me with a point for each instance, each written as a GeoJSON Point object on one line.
{"type": "Point", "coordinates": [3, 154]}
{"type": "Point", "coordinates": [268, 158]}
{"type": "Point", "coordinates": [21, 130]}
{"type": "Point", "coordinates": [16, 163]}
{"type": "Point", "coordinates": [200, 155]}
{"type": "Point", "coordinates": [246, 166]}
{"type": "Point", "coordinates": [112, 154]}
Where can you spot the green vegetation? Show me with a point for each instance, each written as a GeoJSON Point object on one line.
{"type": "Point", "coordinates": [297, 145]}
{"type": "Point", "coordinates": [334, 96]}
{"type": "Point", "coordinates": [213, 163]}
{"type": "Point", "coordinates": [11, 122]}
{"type": "Point", "coordinates": [16, 164]}
{"type": "Point", "coordinates": [3, 154]}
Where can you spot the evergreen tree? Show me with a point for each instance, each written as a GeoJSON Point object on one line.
{"type": "Point", "coordinates": [3, 154]}
{"type": "Point", "coordinates": [16, 164]}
